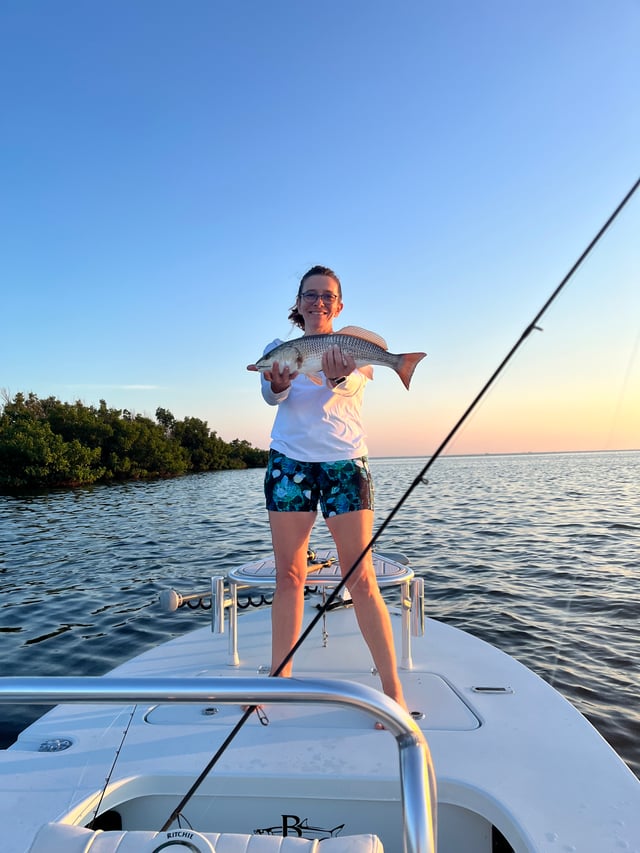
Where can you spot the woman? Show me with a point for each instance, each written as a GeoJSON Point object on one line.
{"type": "Point", "coordinates": [318, 453]}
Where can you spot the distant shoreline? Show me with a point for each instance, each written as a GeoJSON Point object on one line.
{"type": "Point", "coordinates": [506, 453]}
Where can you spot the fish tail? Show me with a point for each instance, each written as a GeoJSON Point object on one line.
{"type": "Point", "coordinates": [407, 365]}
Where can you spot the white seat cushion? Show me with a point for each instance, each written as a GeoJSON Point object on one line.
{"type": "Point", "coordinates": [233, 843]}
{"type": "Point", "coordinates": [352, 844]}
{"type": "Point", "coordinates": [63, 838]}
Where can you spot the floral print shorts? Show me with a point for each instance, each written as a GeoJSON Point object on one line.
{"type": "Point", "coordinates": [293, 486]}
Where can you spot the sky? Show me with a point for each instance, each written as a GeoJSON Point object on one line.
{"type": "Point", "coordinates": [169, 169]}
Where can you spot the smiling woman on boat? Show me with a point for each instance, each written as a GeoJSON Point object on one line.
{"type": "Point", "coordinates": [318, 454]}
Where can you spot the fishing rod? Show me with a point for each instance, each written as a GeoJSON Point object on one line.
{"type": "Point", "coordinates": [418, 480]}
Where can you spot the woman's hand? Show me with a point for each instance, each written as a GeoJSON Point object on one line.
{"type": "Point", "coordinates": [280, 379]}
{"type": "Point", "coordinates": [337, 364]}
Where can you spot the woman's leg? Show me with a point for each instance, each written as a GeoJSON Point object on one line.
{"type": "Point", "coordinates": [352, 532]}
{"type": "Point", "coordinates": [290, 532]}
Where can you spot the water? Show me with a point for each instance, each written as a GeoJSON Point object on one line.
{"type": "Point", "coordinates": [538, 554]}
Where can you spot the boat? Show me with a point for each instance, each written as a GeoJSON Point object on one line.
{"type": "Point", "coordinates": [191, 746]}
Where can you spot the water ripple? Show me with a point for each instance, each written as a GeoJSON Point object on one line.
{"type": "Point", "coordinates": [537, 554]}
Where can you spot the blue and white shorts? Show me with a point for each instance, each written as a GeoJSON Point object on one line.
{"type": "Point", "coordinates": [293, 486]}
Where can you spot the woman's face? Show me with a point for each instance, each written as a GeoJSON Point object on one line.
{"type": "Point", "coordinates": [319, 302]}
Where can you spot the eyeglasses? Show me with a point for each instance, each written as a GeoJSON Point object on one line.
{"type": "Point", "coordinates": [310, 296]}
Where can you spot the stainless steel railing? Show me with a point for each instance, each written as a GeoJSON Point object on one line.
{"type": "Point", "coordinates": [417, 777]}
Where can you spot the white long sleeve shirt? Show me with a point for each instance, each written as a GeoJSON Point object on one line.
{"type": "Point", "coordinates": [315, 423]}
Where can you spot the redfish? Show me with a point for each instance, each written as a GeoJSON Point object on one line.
{"type": "Point", "coordinates": [305, 354]}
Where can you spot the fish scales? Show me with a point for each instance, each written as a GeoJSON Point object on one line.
{"type": "Point", "coordinates": [304, 354]}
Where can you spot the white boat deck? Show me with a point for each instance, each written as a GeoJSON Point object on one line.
{"type": "Point", "coordinates": [506, 747]}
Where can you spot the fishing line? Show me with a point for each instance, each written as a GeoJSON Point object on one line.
{"type": "Point", "coordinates": [623, 388]}
{"type": "Point", "coordinates": [419, 479]}
{"type": "Point", "coordinates": [113, 766]}
{"type": "Point", "coordinates": [586, 557]}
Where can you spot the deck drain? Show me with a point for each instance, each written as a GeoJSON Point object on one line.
{"type": "Point", "coordinates": [58, 744]}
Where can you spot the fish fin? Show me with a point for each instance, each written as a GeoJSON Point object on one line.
{"type": "Point", "coordinates": [408, 362]}
{"type": "Point", "coordinates": [365, 334]}
{"type": "Point", "coordinates": [366, 370]}
{"type": "Point", "coordinates": [313, 377]}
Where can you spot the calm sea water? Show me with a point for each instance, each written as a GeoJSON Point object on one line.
{"type": "Point", "coordinates": [538, 554]}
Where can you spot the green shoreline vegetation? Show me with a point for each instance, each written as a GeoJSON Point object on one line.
{"type": "Point", "coordinates": [49, 444]}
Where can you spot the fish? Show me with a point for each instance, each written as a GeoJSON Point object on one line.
{"type": "Point", "coordinates": [304, 354]}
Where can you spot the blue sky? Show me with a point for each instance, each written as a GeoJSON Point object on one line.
{"type": "Point", "coordinates": [169, 170]}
